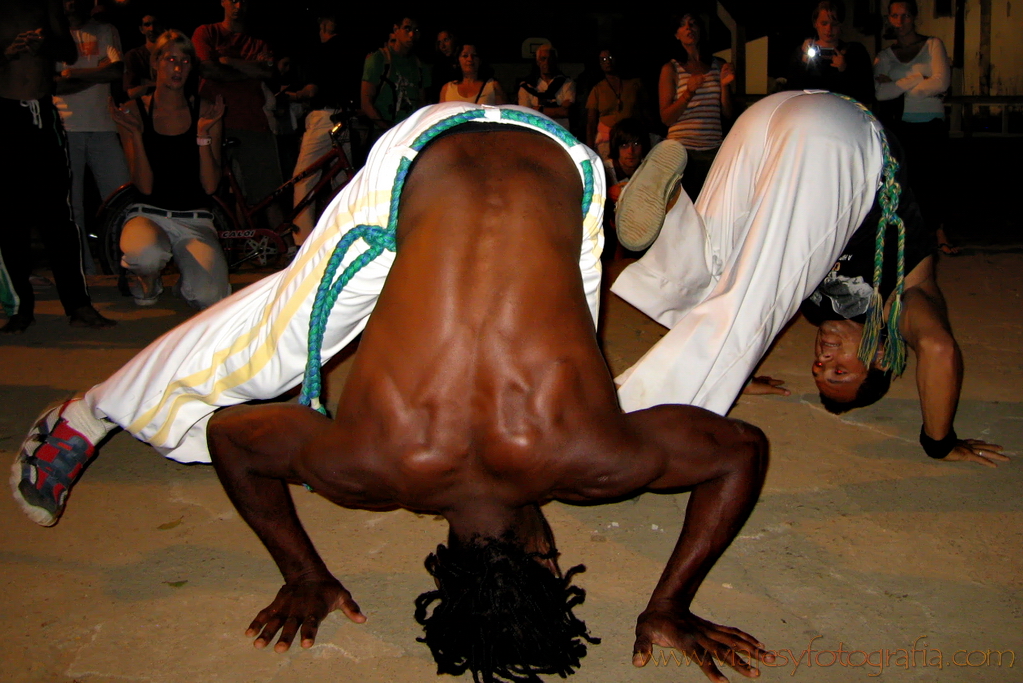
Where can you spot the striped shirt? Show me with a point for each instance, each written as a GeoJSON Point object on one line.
{"type": "Point", "coordinates": [699, 127]}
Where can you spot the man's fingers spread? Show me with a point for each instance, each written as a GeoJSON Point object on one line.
{"type": "Point", "coordinates": [269, 630]}
{"type": "Point", "coordinates": [309, 628]}
{"type": "Point", "coordinates": [641, 651]}
{"type": "Point", "coordinates": [352, 611]}
{"type": "Point", "coordinates": [640, 658]}
{"type": "Point", "coordinates": [980, 460]}
{"type": "Point", "coordinates": [712, 671]}
{"type": "Point", "coordinates": [287, 635]}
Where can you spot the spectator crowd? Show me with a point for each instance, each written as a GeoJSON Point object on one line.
{"type": "Point", "coordinates": [130, 116]}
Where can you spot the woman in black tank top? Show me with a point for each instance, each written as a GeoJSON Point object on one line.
{"type": "Point", "coordinates": [172, 142]}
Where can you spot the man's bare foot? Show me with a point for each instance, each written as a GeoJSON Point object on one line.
{"type": "Point", "coordinates": [87, 316]}
{"type": "Point", "coordinates": [17, 324]}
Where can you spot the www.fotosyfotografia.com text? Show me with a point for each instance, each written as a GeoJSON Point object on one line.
{"type": "Point", "coordinates": [873, 662]}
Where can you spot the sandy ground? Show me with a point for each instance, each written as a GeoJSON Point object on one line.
{"type": "Point", "coordinates": [859, 541]}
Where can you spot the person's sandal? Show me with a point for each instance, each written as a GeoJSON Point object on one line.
{"type": "Point", "coordinates": [52, 458]}
{"type": "Point", "coordinates": [644, 201]}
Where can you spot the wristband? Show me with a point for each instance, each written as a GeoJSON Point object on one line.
{"type": "Point", "coordinates": [203, 140]}
{"type": "Point", "coordinates": [938, 448]}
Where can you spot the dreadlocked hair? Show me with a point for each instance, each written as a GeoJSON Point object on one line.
{"type": "Point", "coordinates": [500, 613]}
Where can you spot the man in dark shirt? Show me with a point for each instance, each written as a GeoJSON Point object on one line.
{"type": "Point", "coordinates": [332, 84]}
{"type": "Point", "coordinates": [138, 79]}
{"type": "Point", "coordinates": [234, 66]}
{"type": "Point", "coordinates": [34, 35]}
{"type": "Point", "coordinates": [394, 81]}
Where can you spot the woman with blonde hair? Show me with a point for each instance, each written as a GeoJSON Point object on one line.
{"type": "Point", "coordinates": [172, 141]}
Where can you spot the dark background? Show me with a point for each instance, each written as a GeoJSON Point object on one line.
{"type": "Point", "coordinates": [983, 212]}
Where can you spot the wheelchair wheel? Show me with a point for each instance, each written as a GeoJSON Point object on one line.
{"type": "Point", "coordinates": [109, 220]}
{"type": "Point", "coordinates": [113, 214]}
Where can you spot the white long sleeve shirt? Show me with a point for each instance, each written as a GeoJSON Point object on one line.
{"type": "Point", "coordinates": [923, 80]}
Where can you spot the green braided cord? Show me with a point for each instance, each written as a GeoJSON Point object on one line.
{"type": "Point", "coordinates": [893, 356]}
{"type": "Point", "coordinates": [399, 184]}
{"type": "Point", "coordinates": [560, 133]}
{"type": "Point", "coordinates": [541, 122]}
{"type": "Point", "coordinates": [381, 239]}
{"type": "Point", "coordinates": [327, 293]}
{"type": "Point", "coordinates": [446, 124]}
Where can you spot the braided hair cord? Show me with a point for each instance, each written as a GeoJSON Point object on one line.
{"type": "Point", "coordinates": [893, 353]}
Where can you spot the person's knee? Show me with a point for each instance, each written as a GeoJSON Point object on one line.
{"type": "Point", "coordinates": [143, 250]}
{"type": "Point", "coordinates": [749, 452]}
{"type": "Point", "coordinates": [204, 297]}
{"type": "Point", "coordinates": [204, 274]}
{"type": "Point", "coordinates": [203, 288]}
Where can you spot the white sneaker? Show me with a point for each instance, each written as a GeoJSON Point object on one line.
{"type": "Point", "coordinates": [644, 201]}
{"type": "Point", "coordinates": [145, 289]}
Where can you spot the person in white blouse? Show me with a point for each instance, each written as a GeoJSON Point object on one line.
{"type": "Point", "coordinates": [914, 72]}
{"type": "Point", "coordinates": [471, 87]}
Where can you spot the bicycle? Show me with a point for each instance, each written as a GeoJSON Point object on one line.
{"type": "Point", "coordinates": [236, 222]}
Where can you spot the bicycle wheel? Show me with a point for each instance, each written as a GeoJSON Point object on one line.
{"type": "Point", "coordinates": [110, 219]}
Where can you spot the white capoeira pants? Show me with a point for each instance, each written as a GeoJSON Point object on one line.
{"type": "Point", "coordinates": [793, 180]}
{"type": "Point", "coordinates": [253, 345]}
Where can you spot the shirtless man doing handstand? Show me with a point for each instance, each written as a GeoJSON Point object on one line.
{"type": "Point", "coordinates": [478, 392]}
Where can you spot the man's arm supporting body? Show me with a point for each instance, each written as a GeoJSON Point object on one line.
{"type": "Point", "coordinates": [939, 372]}
{"type": "Point", "coordinates": [723, 463]}
{"type": "Point", "coordinates": [259, 450]}
{"type": "Point", "coordinates": [253, 454]}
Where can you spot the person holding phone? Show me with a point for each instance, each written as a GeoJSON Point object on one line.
{"type": "Point", "coordinates": [829, 63]}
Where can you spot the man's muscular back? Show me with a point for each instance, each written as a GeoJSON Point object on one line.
{"type": "Point", "coordinates": [480, 362]}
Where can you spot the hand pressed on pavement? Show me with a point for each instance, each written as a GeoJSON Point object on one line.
{"type": "Point", "coordinates": [701, 640]}
{"type": "Point", "coordinates": [974, 450]}
{"type": "Point", "coordinates": [301, 605]}
{"type": "Point", "coordinates": [759, 386]}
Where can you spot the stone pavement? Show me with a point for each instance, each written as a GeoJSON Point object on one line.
{"type": "Point", "coordinates": [859, 541]}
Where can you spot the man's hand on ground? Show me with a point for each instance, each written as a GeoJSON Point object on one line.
{"type": "Point", "coordinates": [973, 450]}
{"type": "Point", "coordinates": [759, 386]}
{"type": "Point", "coordinates": [301, 605]}
{"type": "Point", "coordinates": [700, 639]}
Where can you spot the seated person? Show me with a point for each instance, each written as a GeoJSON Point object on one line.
{"type": "Point", "coordinates": [796, 177]}
{"type": "Point", "coordinates": [172, 141]}
{"type": "Point", "coordinates": [629, 145]}
{"type": "Point", "coordinates": [482, 421]}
